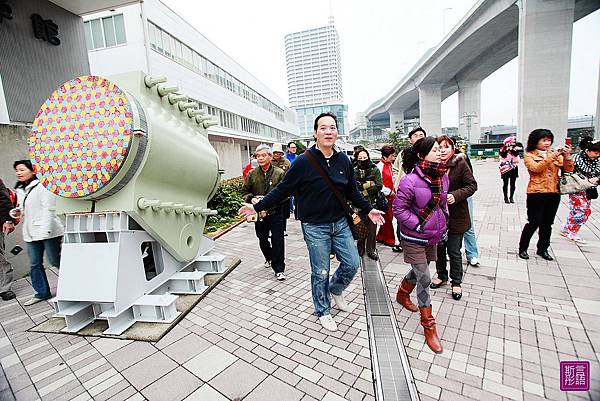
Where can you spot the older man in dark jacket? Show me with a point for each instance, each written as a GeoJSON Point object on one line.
{"type": "Point", "coordinates": [7, 223]}
{"type": "Point", "coordinates": [259, 182]}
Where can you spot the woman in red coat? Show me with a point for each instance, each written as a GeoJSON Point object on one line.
{"type": "Point", "coordinates": [386, 233]}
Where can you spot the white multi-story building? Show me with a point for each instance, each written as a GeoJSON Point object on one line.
{"type": "Point", "coordinates": [314, 67]}
{"type": "Point", "coordinates": [314, 73]}
{"type": "Point", "coordinates": [150, 37]}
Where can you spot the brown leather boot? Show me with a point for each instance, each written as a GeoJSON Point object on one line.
{"type": "Point", "coordinates": [431, 337]}
{"type": "Point", "coordinates": [403, 295]}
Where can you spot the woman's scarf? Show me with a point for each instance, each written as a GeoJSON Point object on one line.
{"type": "Point", "coordinates": [434, 175]}
{"type": "Point", "coordinates": [586, 166]}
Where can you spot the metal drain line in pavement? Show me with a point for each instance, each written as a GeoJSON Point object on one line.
{"type": "Point", "coordinates": [392, 376]}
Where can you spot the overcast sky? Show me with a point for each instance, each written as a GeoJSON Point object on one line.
{"type": "Point", "coordinates": [380, 41]}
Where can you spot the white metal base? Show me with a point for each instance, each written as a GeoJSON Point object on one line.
{"type": "Point", "coordinates": [106, 279]}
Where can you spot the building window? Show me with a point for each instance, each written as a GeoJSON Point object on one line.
{"type": "Point", "coordinates": [104, 32]}
{"type": "Point", "coordinates": [164, 43]}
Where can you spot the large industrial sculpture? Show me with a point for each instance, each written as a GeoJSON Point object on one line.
{"type": "Point", "coordinates": [133, 168]}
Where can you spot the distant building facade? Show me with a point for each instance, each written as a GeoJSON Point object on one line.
{"type": "Point", "coordinates": [314, 74]}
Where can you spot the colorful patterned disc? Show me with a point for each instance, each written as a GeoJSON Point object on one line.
{"type": "Point", "coordinates": [81, 136]}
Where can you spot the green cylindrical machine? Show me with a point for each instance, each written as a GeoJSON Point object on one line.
{"type": "Point", "coordinates": [129, 144]}
{"type": "Point", "coordinates": [130, 160]}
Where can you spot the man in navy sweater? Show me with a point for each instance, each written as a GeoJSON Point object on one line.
{"type": "Point", "coordinates": [324, 222]}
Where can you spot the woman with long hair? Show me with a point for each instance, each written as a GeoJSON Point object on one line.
{"type": "Point", "coordinates": [509, 166]}
{"type": "Point", "coordinates": [42, 229]}
{"type": "Point", "coordinates": [543, 198]}
{"type": "Point", "coordinates": [587, 162]}
{"type": "Point", "coordinates": [421, 209]}
{"type": "Point", "coordinates": [462, 185]}
{"type": "Point", "coordinates": [368, 181]}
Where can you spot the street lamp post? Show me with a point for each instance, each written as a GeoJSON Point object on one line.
{"type": "Point", "coordinates": [444, 20]}
{"type": "Point", "coordinates": [468, 121]}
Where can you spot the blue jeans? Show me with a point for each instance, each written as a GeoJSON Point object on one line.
{"type": "Point", "coordinates": [469, 237]}
{"type": "Point", "coordinates": [35, 251]}
{"type": "Point", "coordinates": [322, 239]}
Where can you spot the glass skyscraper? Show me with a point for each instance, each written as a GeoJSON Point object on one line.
{"type": "Point", "coordinates": [314, 73]}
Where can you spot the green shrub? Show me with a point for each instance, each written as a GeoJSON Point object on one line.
{"type": "Point", "coordinates": [227, 201]}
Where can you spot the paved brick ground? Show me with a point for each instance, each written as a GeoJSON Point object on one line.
{"type": "Point", "coordinates": [256, 338]}
{"type": "Point", "coordinates": [517, 319]}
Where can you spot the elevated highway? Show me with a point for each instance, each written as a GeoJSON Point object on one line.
{"type": "Point", "coordinates": [491, 34]}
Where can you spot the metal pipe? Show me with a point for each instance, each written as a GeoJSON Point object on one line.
{"type": "Point", "coordinates": [183, 106]}
{"type": "Point", "coordinates": [176, 98]}
{"type": "Point", "coordinates": [164, 90]}
{"type": "Point", "coordinates": [151, 80]}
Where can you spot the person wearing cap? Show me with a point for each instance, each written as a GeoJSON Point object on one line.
{"type": "Point", "coordinates": [509, 166]}
{"type": "Point", "coordinates": [278, 159]}
{"type": "Point", "coordinates": [259, 182]}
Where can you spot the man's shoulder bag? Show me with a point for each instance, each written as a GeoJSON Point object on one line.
{"type": "Point", "coordinates": [359, 228]}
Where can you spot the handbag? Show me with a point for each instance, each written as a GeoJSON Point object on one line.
{"type": "Point", "coordinates": [359, 228]}
{"type": "Point", "coordinates": [381, 203]}
{"type": "Point", "coordinates": [592, 193]}
{"type": "Point", "coordinates": [506, 166]}
{"type": "Point", "coordinates": [572, 183]}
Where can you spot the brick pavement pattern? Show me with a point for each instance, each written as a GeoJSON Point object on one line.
{"type": "Point", "coordinates": [255, 338]}
{"type": "Point", "coordinates": [517, 319]}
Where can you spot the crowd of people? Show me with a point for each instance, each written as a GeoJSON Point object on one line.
{"type": "Point", "coordinates": [426, 190]}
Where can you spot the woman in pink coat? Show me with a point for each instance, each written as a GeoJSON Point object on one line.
{"type": "Point", "coordinates": [509, 166]}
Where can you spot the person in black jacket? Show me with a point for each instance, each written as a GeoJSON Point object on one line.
{"type": "Point", "coordinates": [8, 226]}
{"type": "Point", "coordinates": [324, 223]}
{"type": "Point", "coordinates": [368, 182]}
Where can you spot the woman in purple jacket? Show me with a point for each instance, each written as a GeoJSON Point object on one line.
{"type": "Point", "coordinates": [421, 208]}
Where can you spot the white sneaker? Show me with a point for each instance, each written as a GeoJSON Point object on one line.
{"type": "Point", "coordinates": [328, 323]}
{"type": "Point", "coordinates": [32, 301]}
{"type": "Point", "coordinates": [341, 302]}
{"type": "Point", "coordinates": [280, 276]}
{"type": "Point", "coordinates": [577, 238]}
{"type": "Point", "coordinates": [474, 261]}
{"type": "Point", "coordinates": [268, 264]}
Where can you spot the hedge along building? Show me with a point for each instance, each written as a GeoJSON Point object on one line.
{"type": "Point", "coordinates": [150, 37]}
{"type": "Point", "coordinates": [42, 45]}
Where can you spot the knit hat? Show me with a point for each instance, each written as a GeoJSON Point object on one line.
{"type": "Point", "coordinates": [511, 140]}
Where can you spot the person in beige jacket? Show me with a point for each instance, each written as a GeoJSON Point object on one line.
{"type": "Point", "coordinates": [42, 229]}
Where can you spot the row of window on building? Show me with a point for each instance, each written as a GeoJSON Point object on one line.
{"type": "Point", "coordinates": [234, 121]}
{"type": "Point", "coordinates": [164, 43]}
{"type": "Point", "coordinates": [110, 31]}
